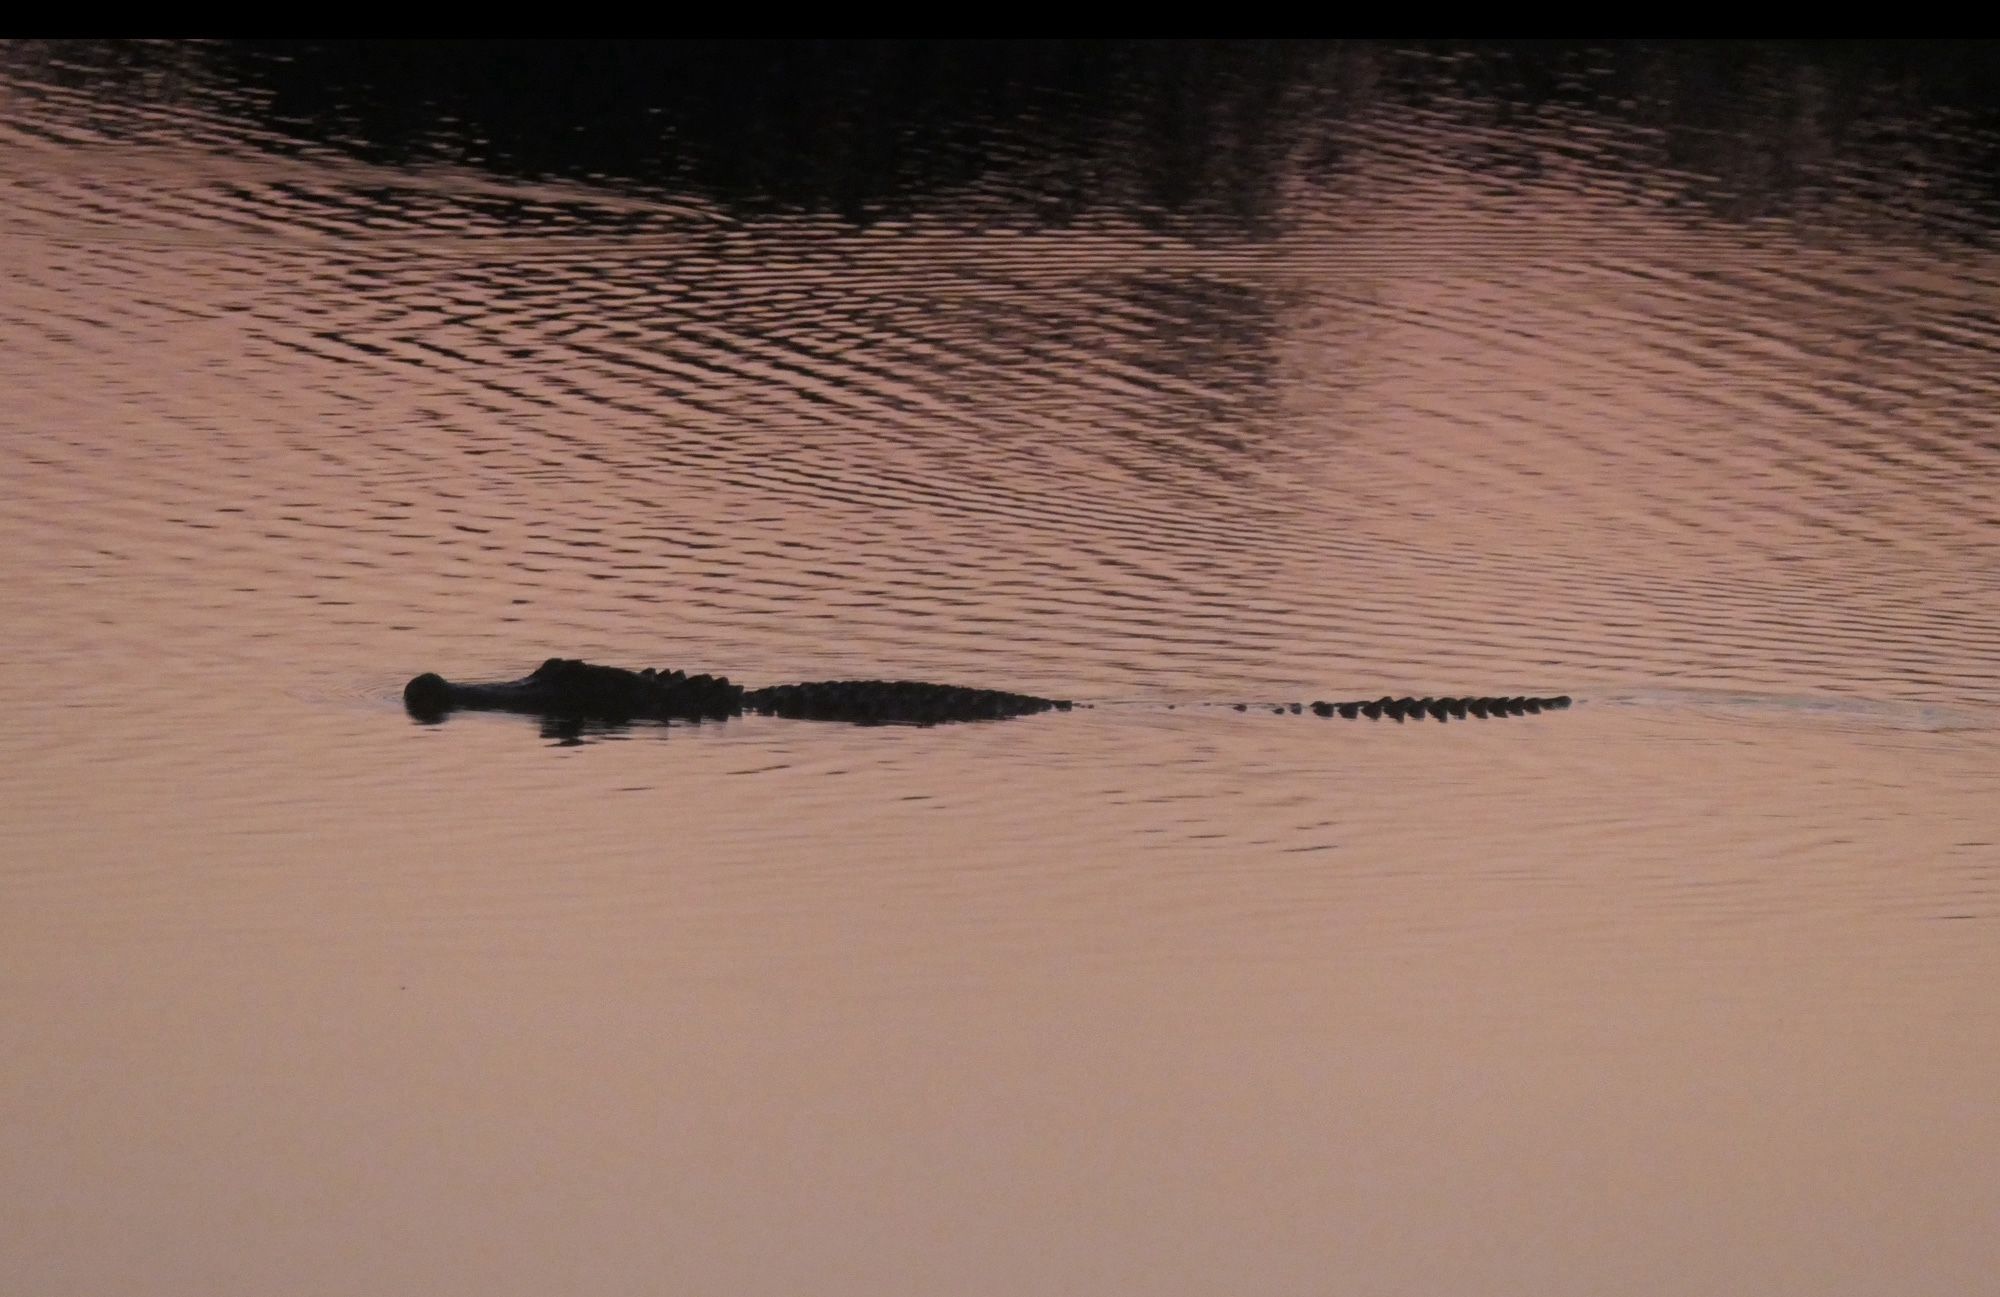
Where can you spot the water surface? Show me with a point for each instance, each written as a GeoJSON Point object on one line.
{"type": "Point", "coordinates": [1160, 378]}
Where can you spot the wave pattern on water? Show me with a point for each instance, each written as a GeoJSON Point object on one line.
{"type": "Point", "coordinates": [1479, 406]}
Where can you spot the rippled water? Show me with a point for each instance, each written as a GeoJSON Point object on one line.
{"type": "Point", "coordinates": [1163, 378]}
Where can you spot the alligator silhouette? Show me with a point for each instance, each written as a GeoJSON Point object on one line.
{"type": "Point", "coordinates": [565, 687]}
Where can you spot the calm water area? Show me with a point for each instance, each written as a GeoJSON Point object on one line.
{"type": "Point", "coordinates": [1162, 378]}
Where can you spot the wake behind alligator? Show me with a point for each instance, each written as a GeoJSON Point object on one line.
{"type": "Point", "coordinates": [565, 687]}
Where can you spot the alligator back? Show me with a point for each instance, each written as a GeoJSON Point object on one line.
{"type": "Point", "coordinates": [895, 702]}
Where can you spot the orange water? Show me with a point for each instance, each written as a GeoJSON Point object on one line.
{"type": "Point", "coordinates": [1680, 405]}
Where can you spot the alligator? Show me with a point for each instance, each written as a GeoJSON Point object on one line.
{"type": "Point", "coordinates": [565, 687]}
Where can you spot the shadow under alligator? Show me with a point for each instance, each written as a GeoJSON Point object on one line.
{"type": "Point", "coordinates": [564, 687]}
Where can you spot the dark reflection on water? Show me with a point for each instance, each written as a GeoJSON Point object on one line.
{"type": "Point", "coordinates": [1159, 377]}
{"type": "Point", "coordinates": [1205, 131]}
{"type": "Point", "coordinates": [867, 130]}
